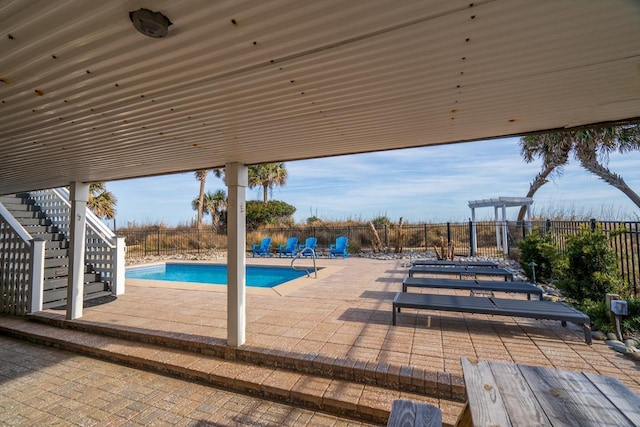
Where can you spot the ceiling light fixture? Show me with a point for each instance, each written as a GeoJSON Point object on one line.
{"type": "Point", "coordinates": [149, 23]}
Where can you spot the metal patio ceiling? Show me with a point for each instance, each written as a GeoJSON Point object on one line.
{"type": "Point", "coordinates": [85, 97]}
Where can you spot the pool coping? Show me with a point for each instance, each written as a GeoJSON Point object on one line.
{"type": "Point", "coordinates": [283, 289]}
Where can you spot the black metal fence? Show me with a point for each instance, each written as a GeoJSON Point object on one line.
{"type": "Point", "coordinates": [489, 237]}
{"type": "Point", "coordinates": [624, 238]}
{"type": "Point", "coordinates": [410, 237]}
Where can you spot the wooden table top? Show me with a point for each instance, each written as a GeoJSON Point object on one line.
{"type": "Point", "coordinates": [505, 394]}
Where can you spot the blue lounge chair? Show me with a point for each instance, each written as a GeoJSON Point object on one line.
{"type": "Point", "coordinates": [310, 243]}
{"type": "Point", "coordinates": [339, 248]}
{"type": "Point", "coordinates": [262, 249]}
{"type": "Point", "coordinates": [290, 248]}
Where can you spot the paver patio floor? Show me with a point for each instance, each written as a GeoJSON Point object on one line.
{"type": "Point", "coordinates": [41, 386]}
{"type": "Point", "coordinates": [346, 315]}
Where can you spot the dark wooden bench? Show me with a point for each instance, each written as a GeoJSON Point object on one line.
{"type": "Point", "coordinates": [461, 271]}
{"type": "Point", "coordinates": [447, 263]}
{"type": "Point", "coordinates": [407, 413]}
{"type": "Point", "coordinates": [472, 285]}
{"type": "Point", "coordinates": [497, 306]}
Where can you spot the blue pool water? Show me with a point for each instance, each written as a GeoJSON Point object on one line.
{"type": "Point", "coordinates": [259, 277]}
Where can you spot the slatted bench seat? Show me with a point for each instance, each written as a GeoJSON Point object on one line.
{"type": "Point", "coordinates": [444, 263]}
{"type": "Point", "coordinates": [461, 271]}
{"type": "Point", "coordinates": [407, 413]}
{"type": "Point", "coordinates": [472, 285]}
{"type": "Point", "coordinates": [547, 310]}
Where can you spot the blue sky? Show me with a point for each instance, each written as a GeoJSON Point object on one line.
{"type": "Point", "coordinates": [428, 184]}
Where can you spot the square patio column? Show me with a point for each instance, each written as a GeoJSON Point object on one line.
{"type": "Point", "coordinates": [79, 195]}
{"type": "Point", "coordinates": [237, 181]}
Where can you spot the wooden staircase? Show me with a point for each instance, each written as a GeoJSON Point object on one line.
{"type": "Point", "coordinates": [56, 267]}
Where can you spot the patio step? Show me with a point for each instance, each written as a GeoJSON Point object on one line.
{"type": "Point", "coordinates": [226, 367]}
{"type": "Point", "coordinates": [414, 380]}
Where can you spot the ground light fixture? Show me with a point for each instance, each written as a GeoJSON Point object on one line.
{"type": "Point", "coordinates": [149, 23]}
{"type": "Point", "coordinates": [533, 266]}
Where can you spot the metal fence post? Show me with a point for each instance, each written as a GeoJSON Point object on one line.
{"type": "Point", "coordinates": [426, 244]}
{"type": "Point", "coordinates": [592, 224]}
{"type": "Point", "coordinates": [158, 243]}
{"type": "Point", "coordinates": [472, 245]}
{"type": "Point", "coordinates": [448, 232]}
{"type": "Point", "coordinates": [634, 259]}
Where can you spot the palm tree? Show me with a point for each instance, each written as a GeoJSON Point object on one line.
{"type": "Point", "coordinates": [267, 176]}
{"type": "Point", "coordinates": [591, 147]}
{"type": "Point", "coordinates": [101, 201]}
{"type": "Point", "coordinates": [219, 173]}
{"type": "Point", "coordinates": [214, 204]}
{"type": "Point", "coordinates": [201, 175]}
{"type": "Point", "coordinates": [554, 157]}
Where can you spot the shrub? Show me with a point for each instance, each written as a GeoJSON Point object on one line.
{"type": "Point", "coordinates": [541, 250]}
{"type": "Point", "coordinates": [381, 220]}
{"type": "Point", "coordinates": [354, 246]}
{"type": "Point", "coordinates": [259, 213]}
{"type": "Point", "coordinates": [590, 269]}
{"type": "Point", "coordinates": [313, 220]}
{"type": "Point", "coordinates": [598, 313]}
{"type": "Point", "coordinates": [631, 323]}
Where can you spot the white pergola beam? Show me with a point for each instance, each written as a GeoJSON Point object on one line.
{"type": "Point", "coordinates": [502, 242]}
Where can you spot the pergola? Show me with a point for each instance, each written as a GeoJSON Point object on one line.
{"type": "Point", "coordinates": [85, 97]}
{"type": "Point", "coordinates": [501, 203]}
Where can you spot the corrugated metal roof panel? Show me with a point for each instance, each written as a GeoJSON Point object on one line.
{"type": "Point", "coordinates": [86, 97]}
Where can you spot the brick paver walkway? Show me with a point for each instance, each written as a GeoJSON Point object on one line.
{"type": "Point", "coordinates": [41, 386]}
{"type": "Point", "coordinates": [343, 320]}
{"type": "Point", "coordinates": [347, 313]}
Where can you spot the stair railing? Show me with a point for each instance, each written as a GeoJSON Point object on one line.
{"type": "Point", "coordinates": [21, 267]}
{"type": "Point", "coordinates": [103, 249]}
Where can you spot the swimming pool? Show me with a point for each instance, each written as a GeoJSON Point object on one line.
{"type": "Point", "coordinates": [258, 277]}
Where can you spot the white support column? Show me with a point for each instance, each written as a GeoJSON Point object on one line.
{"type": "Point", "coordinates": [505, 232]}
{"type": "Point", "coordinates": [118, 267]}
{"type": "Point", "coordinates": [237, 180]}
{"type": "Point", "coordinates": [36, 273]}
{"type": "Point", "coordinates": [79, 196]}
{"type": "Point", "coordinates": [529, 218]}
